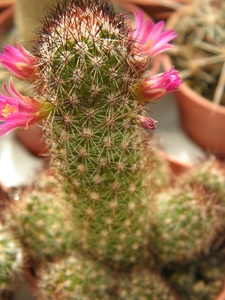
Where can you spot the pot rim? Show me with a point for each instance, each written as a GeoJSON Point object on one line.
{"type": "Point", "coordinates": [162, 3]}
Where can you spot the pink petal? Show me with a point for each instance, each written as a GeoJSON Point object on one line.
{"type": "Point", "coordinates": [17, 110]}
{"type": "Point", "coordinates": [19, 62]}
{"type": "Point", "coordinates": [150, 38]}
{"type": "Point", "coordinates": [156, 86]}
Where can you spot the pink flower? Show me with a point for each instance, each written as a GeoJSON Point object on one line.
{"type": "Point", "coordinates": [146, 122]}
{"type": "Point", "coordinates": [19, 111]}
{"type": "Point", "coordinates": [151, 39]}
{"type": "Point", "coordinates": [19, 62]}
{"type": "Point", "coordinates": [156, 86]}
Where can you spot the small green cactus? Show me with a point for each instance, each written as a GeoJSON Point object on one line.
{"type": "Point", "coordinates": [190, 216]}
{"type": "Point", "coordinates": [11, 261]}
{"type": "Point", "coordinates": [77, 278]}
{"type": "Point", "coordinates": [39, 223]}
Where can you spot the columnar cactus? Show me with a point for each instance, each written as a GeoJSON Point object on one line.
{"type": "Point", "coordinates": [91, 78]}
{"type": "Point", "coordinates": [91, 74]}
{"type": "Point", "coordinates": [90, 70]}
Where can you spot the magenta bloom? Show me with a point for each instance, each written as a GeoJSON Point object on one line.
{"type": "Point", "coordinates": [151, 39]}
{"type": "Point", "coordinates": [147, 122]}
{"type": "Point", "coordinates": [156, 86]}
{"type": "Point", "coordinates": [19, 62]}
{"type": "Point", "coordinates": [19, 111]}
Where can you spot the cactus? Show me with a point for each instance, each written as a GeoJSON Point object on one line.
{"type": "Point", "coordinates": [190, 215]}
{"type": "Point", "coordinates": [198, 53]}
{"type": "Point", "coordinates": [76, 278]}
{"type": "Point", "coordinates": [91, 75]}
{"type": "Point", "coordinates": [10, 262]}
{"type": "Point", "coordinates": [36, 221]}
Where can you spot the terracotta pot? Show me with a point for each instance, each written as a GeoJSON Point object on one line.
{"type": "Point", "coordinates": [221, 295]}
{"type": "Point", "coordinates": [157, 10]}
{"type": "Point", "coordinates": [6, 18]}
{"type": "Point", "coordinates": [203, 120]}
{"type": "Point", "coordinates": [177, 166]}
{"type": "Point", "coordinates": [31, 138]}
{"type": "Point", "coordinates": [6, 3]}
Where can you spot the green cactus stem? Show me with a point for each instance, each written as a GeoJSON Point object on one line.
{"type": "Point", "coordinates": [89, 68]}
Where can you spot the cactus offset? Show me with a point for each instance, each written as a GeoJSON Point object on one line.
{"type": "Point", "coordinates": [72, 279]}
{"type": "Point", "coordinates": [36, 222]}
{"type": "Point", "coordinates": [190, 216]}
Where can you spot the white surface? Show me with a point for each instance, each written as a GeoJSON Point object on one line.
{"type": "Point", "coordinates": [17, 165]}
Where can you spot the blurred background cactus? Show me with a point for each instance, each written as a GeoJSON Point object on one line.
{"type": "Point", "coordinates": [199, 54]}
{"type": "Point", "coordinates": [10, 263]}
{"type": "Point", "coordinates": [106, 220]}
